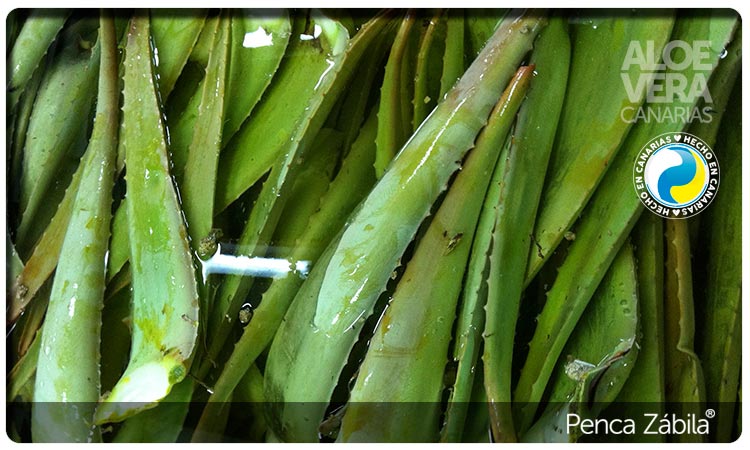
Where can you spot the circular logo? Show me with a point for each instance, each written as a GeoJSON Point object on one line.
{"type": "Point", "coordinates": [676, 175]}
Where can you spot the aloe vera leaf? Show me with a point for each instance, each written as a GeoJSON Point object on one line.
{"type": "Point", "coordinates": [275, 131]}
{"type": "Point", "coordinates": [26, 328]}
{"type": "Point", "coordinates": [250, 391]}
{"type": "Point", "coordinates": [361, 94]}
{"type": "Point", "coordinates": [684, 383]}
{"type": "Point", "coordinates": [55, 194]}
{"type": "Point", "coordinates": [720, 86]}
{"type": "Point", "coordinates": [65, 96]}
{"type": "Point", "coordinates": [345, 17]}
{"type": "Point", "coordinates": [199, 179]}
{"type": "Point", "coordinates": [184, 89]}
{"type": "Point", "coordinates": [43, 259]}
{"type": "Point", "coordinates": [115, 345]}
{"type": "Point", "coordinates": [478, 419]}
{"type": "Point", "coordinates": [18, 134]}
{"type": "Point", "coordinates": [340, 292]}
{"type": "Point", "coordinates": [720, 350]}
{"type": "Point", "coordinates": [646, 381]}
{"type": "Point", "coordinates": [353, 181]}
{"type": "Point", "coordinates": [251, 68]}
{"type": "Point", "coordinates": [21, 376]}
{"type": "Point", "coordinates": [174, 34]}
{"type": "Point", "coordinates": [119, 250]}
{"type": "Point", "coordinates": [520, 192]}
{"type": "Point", "coordinates": [407, 75]}
{"type": "Point", "coordinates": [165, 298]}
{"type": "Point", "coordinates": [429, 65]}
{"type": "Point", "coordinates": [162, 424]}
{"type": "Point", "coordinates": [202, 48]}
{"type": "Point", "coordinates": [263, 219]}
{"type": "Point", "coordinates": [355, 105]}
{"type": "Point", "coordinates": [411, 340]}
{"type": "Point", "coordinates": [454, 63]}
{"type": "Point", "coordinates": [120, 281]}
{"type": "Point", "coordinates": [259, 40]}
{"type": "Point", "coordinates": [68, 365]}
{"type": "Point", "coordinates": [38, 32]}
{"type": "Point", "coordinates": [480, 24]}
{"type": "Point", "coordinates": [310, 186]}
{"type": "Point", "coordinates": [470, 320]}
{"type": "Point", "coordinates": [580, 159]}
{"type": "Point", "coordinates": [603, 227]}
{"type": "Point", "coordinates": [250, 388]}
{"type": "Point", "coordinates": [13, 263]}
{"type": "Point", "coordinates": [216, 417]}
{"type": "Point", "coordinates": [305, 59]}
{"type": "Point", "coordinates": [183, 129]}
{"type": "Point", "coordinates": [23, 334]}
{"type": "Point", "coordinates": [391, 132]}
{"type": "Point", "coordinates": [599, 354]}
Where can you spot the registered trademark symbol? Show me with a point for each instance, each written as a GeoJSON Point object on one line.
{"type": "Point", "coordinates": [710, 413]}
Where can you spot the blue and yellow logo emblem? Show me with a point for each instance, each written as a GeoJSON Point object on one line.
{"type": "Point", "coordinates": [676, 175]}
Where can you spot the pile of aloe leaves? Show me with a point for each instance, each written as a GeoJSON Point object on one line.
{"type": "Point", "coordinates": [358, 226]}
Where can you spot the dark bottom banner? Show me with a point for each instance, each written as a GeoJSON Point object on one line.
{"type": "Point", "coordinates": [379, 422]}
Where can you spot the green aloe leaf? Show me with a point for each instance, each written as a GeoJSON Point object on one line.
{"type": "Point", "coordinates": [353, 181]}
{"type": "Point", "coordinates": [21, 376]}
{"type": "Point", "coordinates": [280, 123]}
{"type": "Point", "coordinates": [170, 416]}
{"type": "Point", "coordinates": [520, 191]}
{"type": "Point", "coordinates": [67, 378]}
{"type": "Point", "coordinates": [644, 390]}
{"type": "Point", "coordinates": [684, 383]}
{"type": "Point", "coordinates": [454, 62]}
{"type": "Point", "coordinates": [65, 96]}
{"type": "Point", "coordinates": [17, 135]}
{"type": "Point", "coordinates": [117, 321]}
{"type": "Point", "coordinates": [174, 33]}
{"type": "Point", "coordinates": [199, 180]}
{"type": "Point", "coordinates": [119, 250]}
{"type": "Point", "coordinates": [429, 67]}
{"type": "Point", "coordinates": [250, 71]}
{"type": "Point", "coordinates": [202, 48]}
{"type": "Point", "coordinates": [335, 66]}
{"type": "Point", "coordinates": [259, 41]}
{"type": "Point", "coordinates": [306, 195]}
{"type": "Point", "coordinates": [165, 298]}
{"type": "Point", "coordinates": [38, 32]}
{"type": "Point", "coordinates": [13, 262]}
{"type": "Point", "coordinates": [183, 128]}
{"type": "Point", "coordinates": [480, 24]}
{"type": "Point", "coordinates": [392, 133]}
{"type": "Point", "coordinates": [339, 294]}
{"type": "Point", "coordinates": [720, 85]}
{"type": "Point", "coordinates": [25, 330]}
{"type": "Point", "coordinates": [411, 340]}
{"type": "Point", "coordinates": [722, 329]}
{"type": "Point", "coordinates": [599, 356]}
{"type": "Point", "coordinates": [43, 260]}
{"type": "Point", "coordinates": [470, 320]}
{"type": "Point", "coordinates": [362, 94]}
{"type": "Point", "coordinates": [604, 225]}
{"type": "Point", "coordinates": [580, 158]}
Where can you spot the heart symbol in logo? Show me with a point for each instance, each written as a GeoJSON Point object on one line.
{"type": "Point", "coordinates": [676, 212]}
{"type": "Point", "coordinates": [677, 137]}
